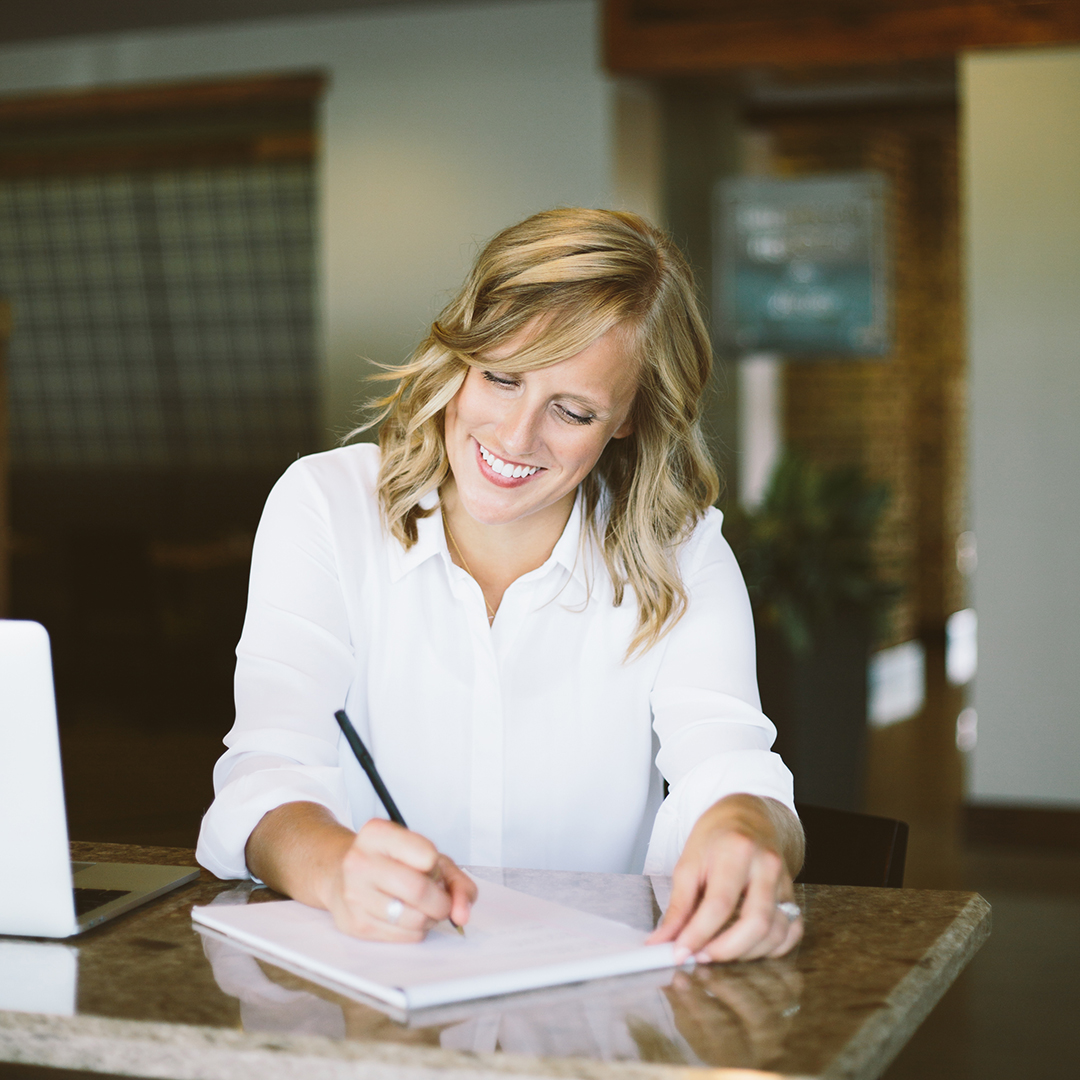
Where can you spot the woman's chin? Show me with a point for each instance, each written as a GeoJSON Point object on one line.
{"type": "Point", "coordinates": [505, 506]}
{"type": "Point", "coordinates": [483, 513]}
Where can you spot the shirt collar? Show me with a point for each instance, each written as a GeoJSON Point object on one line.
{"type": "Point", "coordinates": [431, 541]}
{"type": "Point", "coordinates": [568, 550]}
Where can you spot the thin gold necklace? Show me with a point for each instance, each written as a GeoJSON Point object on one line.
{"type": "Point", "coordinates": [490, 612]}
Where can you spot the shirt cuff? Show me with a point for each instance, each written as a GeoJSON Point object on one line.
{"type": "Point", "coordinates": [739, 772]}
{"type": "Point", "coordinates": [241, 804]}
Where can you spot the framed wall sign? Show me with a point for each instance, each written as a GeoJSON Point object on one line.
{"type": "Point", "coordinates": [802, 265]}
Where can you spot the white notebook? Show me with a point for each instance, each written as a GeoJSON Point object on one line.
{"type": "Point", "coordinates": [513, 942]}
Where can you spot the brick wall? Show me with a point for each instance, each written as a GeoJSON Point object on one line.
{"type": "Point", "coordinates": [902, 417]}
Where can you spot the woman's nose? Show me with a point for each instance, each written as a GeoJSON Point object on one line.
{"type": "Point", "coordinates": [519, 428]}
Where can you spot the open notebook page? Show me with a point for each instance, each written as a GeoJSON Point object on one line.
{"type": "Point", "coordinates": [513, 942]}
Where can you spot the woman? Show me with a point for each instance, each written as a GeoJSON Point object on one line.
{"type": "Point", "coordinates": [523, 600]}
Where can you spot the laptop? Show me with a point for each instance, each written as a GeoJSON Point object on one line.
{"type": "Point", "coordinates": [44, 893]}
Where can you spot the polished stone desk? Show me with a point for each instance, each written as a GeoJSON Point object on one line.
{"type": "Point", "coordinates": [153, 998]}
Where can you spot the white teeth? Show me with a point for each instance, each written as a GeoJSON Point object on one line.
{"type": "Point", "coordinates": [504, 468]}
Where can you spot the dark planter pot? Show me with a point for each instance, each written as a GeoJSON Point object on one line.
{"type": "Point", "coordinates": [817, 700]}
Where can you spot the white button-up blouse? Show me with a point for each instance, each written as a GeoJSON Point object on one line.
{"type": "Point", "coordinates": [532, 742]}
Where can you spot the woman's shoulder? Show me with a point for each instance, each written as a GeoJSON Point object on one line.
{"type": "Point", "coordinates": [706, 542]}
{"type": "Point", "coordinates": [345, 468]}
{"type": "Point", "coordinates": [339, 481]}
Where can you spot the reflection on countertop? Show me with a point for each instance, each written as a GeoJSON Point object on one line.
{"type": "Point", "coordinates": [711, 1016]}
{"type": "Point", "coordinates": [38, 976]}
{"type": "Point", "coordinates": [873, 961]}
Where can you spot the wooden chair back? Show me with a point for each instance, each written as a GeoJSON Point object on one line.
{"type": "Point", "coordinates": [845, 848]}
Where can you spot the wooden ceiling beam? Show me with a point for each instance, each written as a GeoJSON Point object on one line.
{"type": "Point", "coordinates": [673, 37]}
{"type": "Point", "coordinates": [161, 126]}
{"type": "Point", "coordinates": [162, 98]}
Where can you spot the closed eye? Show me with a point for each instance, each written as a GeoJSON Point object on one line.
{"type": "Point", "coordinates": [511, 382]}
{"type": "Point", "coordinates": [500, 380]}
{"type": "Point", "coordinates": [573, 417]}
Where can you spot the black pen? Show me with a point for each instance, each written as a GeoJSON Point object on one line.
{"type": "Point", "coordinates": [367, 763]}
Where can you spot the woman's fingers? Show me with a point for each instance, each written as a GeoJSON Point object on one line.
{"type": "Point", "coordinates": [685, 890]}
{"type": "Point", "coordinates": [375, 918]}
{"type": "Point", "coordinates": [414, 889]}
{"type": "Point", "coordinates": [460, 886]}
{"type": "Point", "coordinates": [394, 885]}
{"type": "Point", "coordinates": [760, 927]}
{"type": "Point", "coordinates": [405, 865]}
{"type": "Point", "coordinates": [792, 936]}
{"type": "Point", "coordinates": [729, 880]}
{"type": "Point", "coordinates": [381, 837]}
{"type": "Point", "coordinates": [398, 921]}
{"type": "Point", "coordinates": [725, 875]}
{"type": "Point", "coordinates": [384, 900]}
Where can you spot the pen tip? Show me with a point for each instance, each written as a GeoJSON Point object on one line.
{"type": "Point", "coordinates": [459, 929]}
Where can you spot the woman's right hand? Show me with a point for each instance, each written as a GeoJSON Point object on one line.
{"type": "Point", "coordinates": [300, 850]}
{"type": "Point", "coordinates": [386, 862]}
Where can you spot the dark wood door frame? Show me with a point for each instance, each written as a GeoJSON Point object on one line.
{"type": "Point", "coordinates": [694, 37]}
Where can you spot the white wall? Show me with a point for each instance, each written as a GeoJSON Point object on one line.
{"type": "Point", "coordinates": [1022, 151]}
{"type": "Point", "coordinates": [441, 125]}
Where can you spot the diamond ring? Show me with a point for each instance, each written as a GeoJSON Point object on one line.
{"type": "Point", "coordinates": [789, 909]}
{"type": "Point", "coordinates": [394, 908]}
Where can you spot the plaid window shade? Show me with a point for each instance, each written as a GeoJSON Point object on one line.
{"type": "Point", "coordinates": [163, 319]}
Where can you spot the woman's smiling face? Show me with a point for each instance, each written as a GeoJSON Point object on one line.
{"type": "Point", "coordinates": [519, 444]}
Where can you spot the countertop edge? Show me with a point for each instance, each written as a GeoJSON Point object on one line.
{"type": "Point", "coordinates": [885, 1033]}
{"type": "Point", "coordinates": [190, 1052]}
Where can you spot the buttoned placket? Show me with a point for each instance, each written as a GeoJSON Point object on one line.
{"type": "Point", "coordinates": [490, 643]}
{"type": "Point", "coordinates": [486, 729]}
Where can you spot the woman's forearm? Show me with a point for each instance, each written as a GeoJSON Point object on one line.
{"type": "Point", "coordinates": [295, 848]}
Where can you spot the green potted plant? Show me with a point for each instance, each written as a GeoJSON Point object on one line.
{"type": "Point", "coordinates": [807, 557]}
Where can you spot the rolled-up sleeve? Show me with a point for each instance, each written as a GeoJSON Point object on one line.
{"type": "Point", "coordinates": [295, 664]}
{"type": "Point", "coordinates": [714, 738]}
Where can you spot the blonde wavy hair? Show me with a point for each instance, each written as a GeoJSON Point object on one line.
{"type": "Point", "coordinates": [575, 274]}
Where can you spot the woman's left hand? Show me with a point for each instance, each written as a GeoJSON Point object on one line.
{"type": "Point", "coordinates": [739, 860]}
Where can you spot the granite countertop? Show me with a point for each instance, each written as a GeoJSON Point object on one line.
{"type": "Point", "coordinates": [153, 998]}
